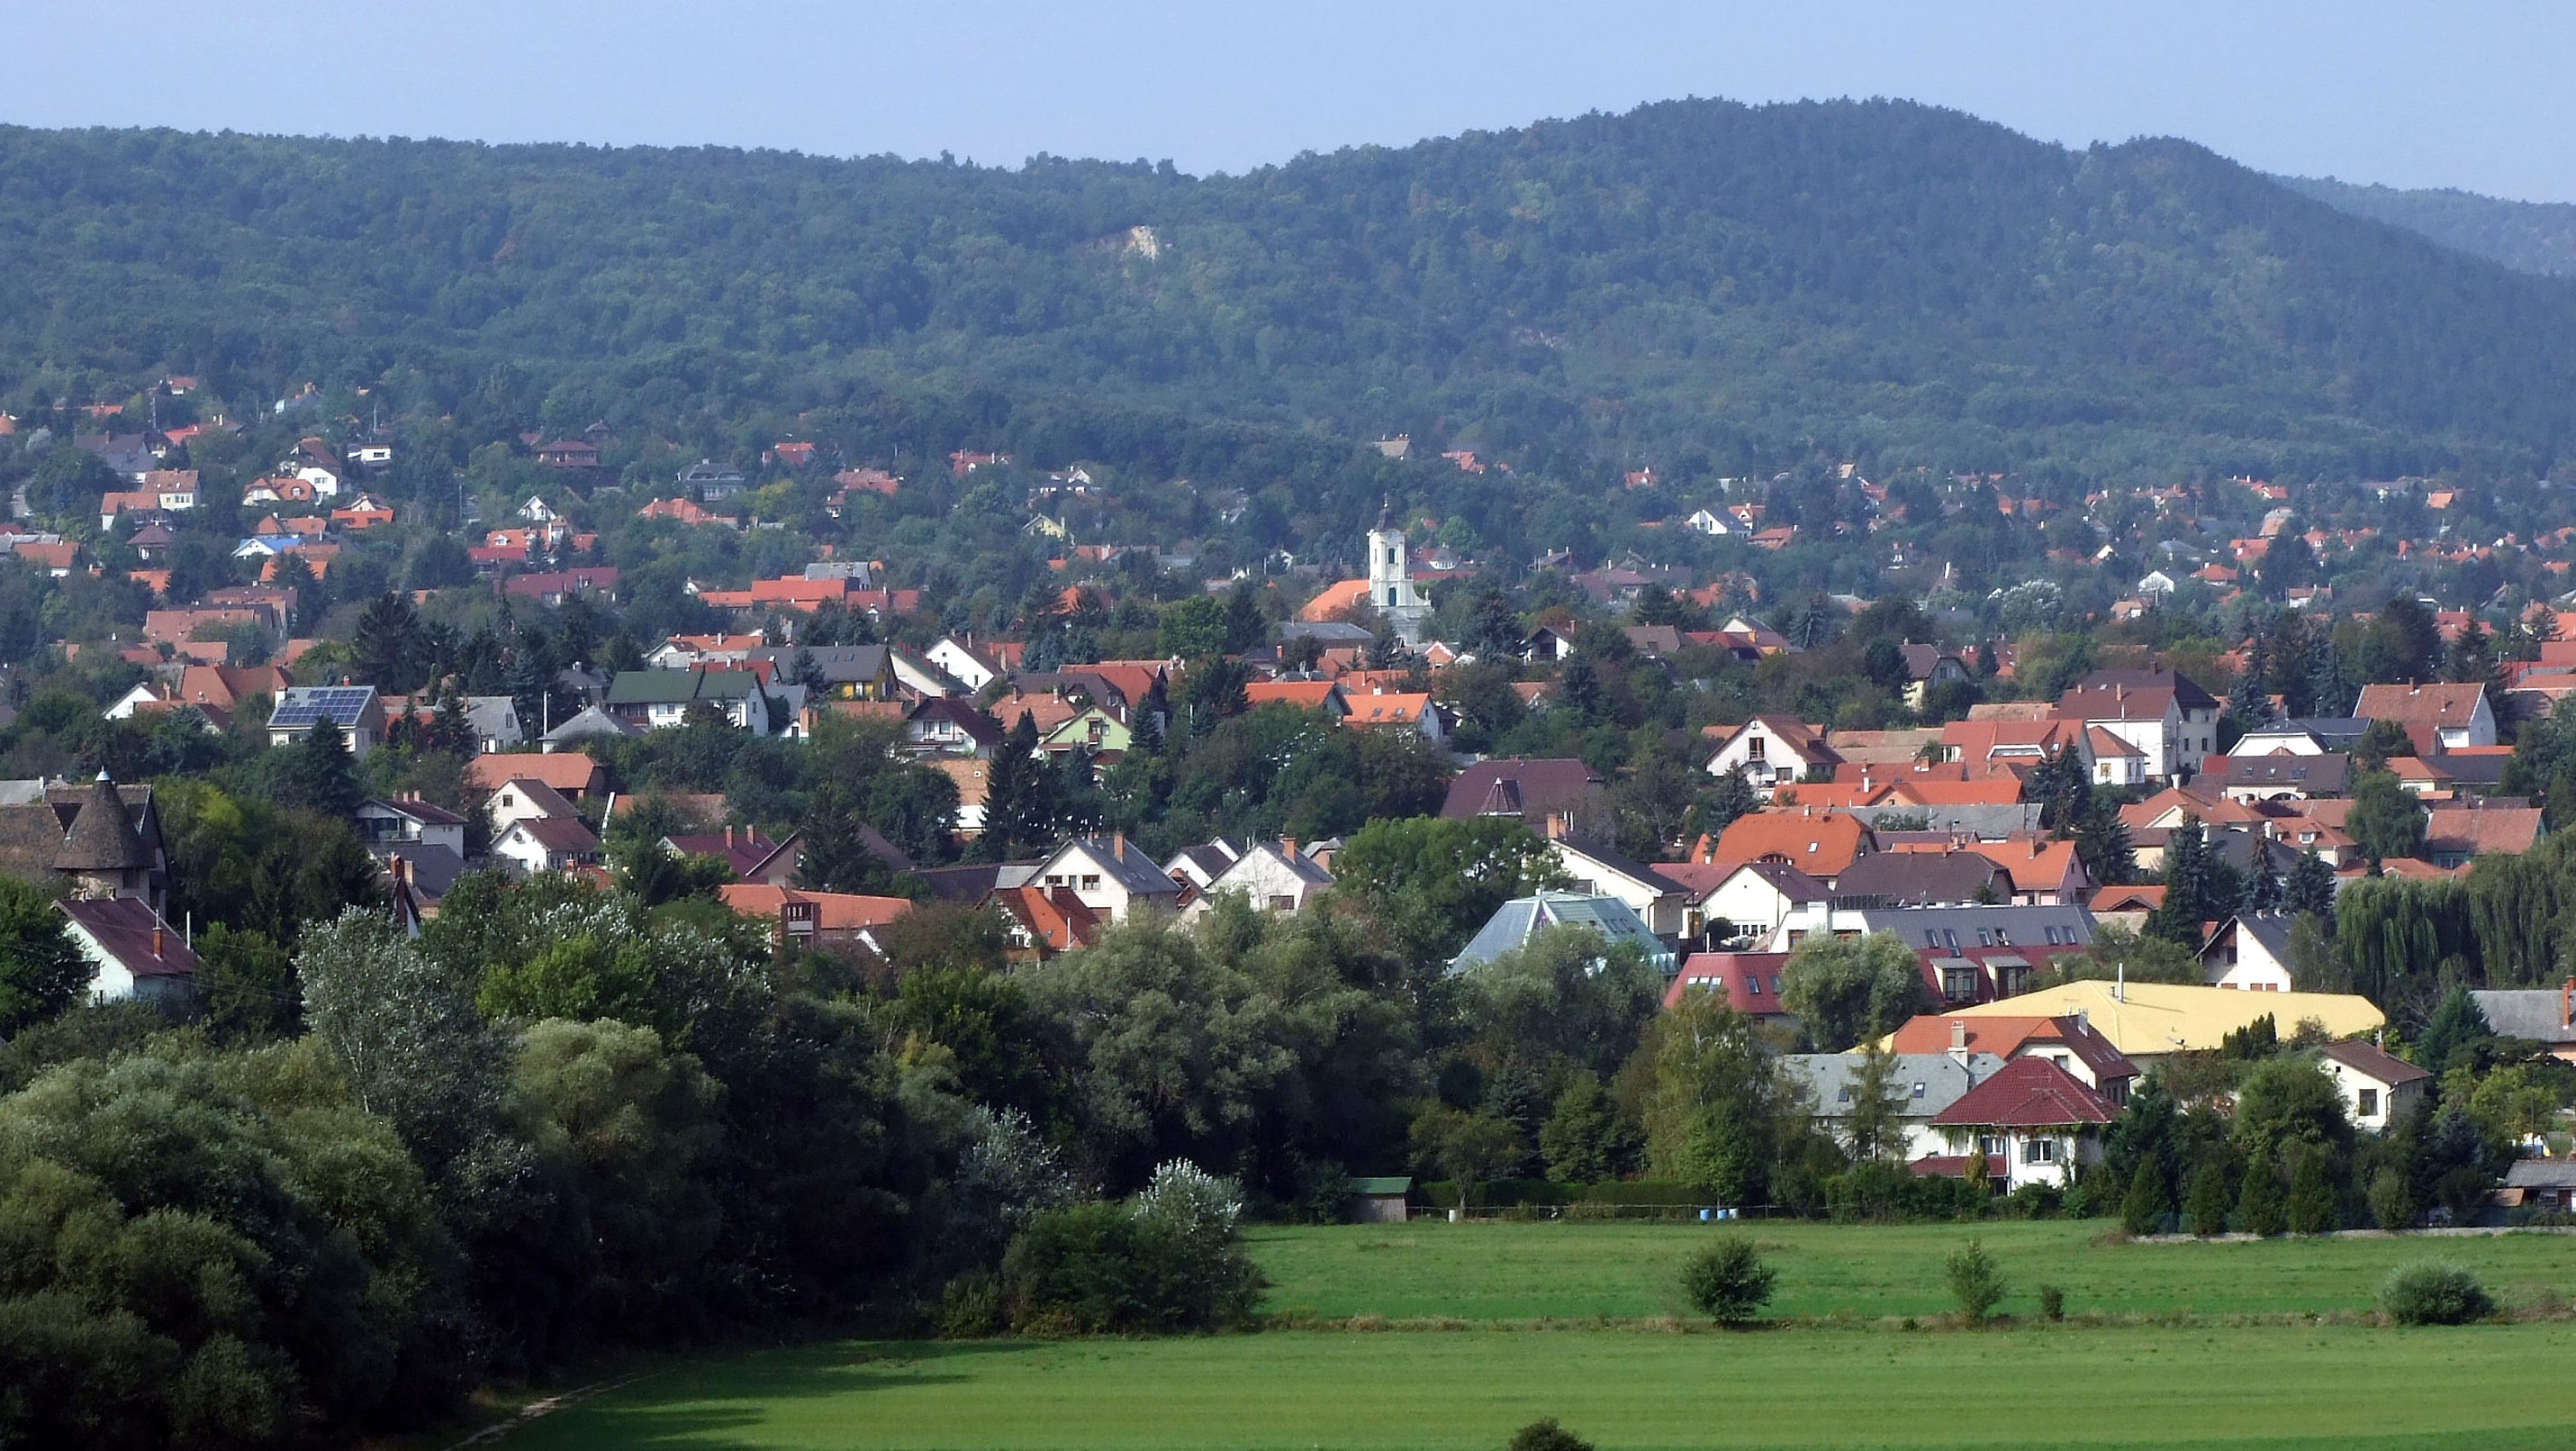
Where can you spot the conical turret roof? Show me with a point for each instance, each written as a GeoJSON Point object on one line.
{"type": "Point", "coordinates": [102, 837]}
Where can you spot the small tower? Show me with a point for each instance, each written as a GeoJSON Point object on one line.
{"type": "Point", "coordinates": [1390, 583]}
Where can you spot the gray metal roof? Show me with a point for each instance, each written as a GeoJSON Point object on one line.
{"type": "Point", "coordinates": [1514, 922]}
{"type": "Point", "coordinates": [1926, 1083]}
{"type": "Point", "coordinates": [2004, 925]}
{"type": "Point", "coordinates": [2539, 1014]}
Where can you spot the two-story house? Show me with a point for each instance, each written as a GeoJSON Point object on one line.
{"type": "Point", "coordinates": [2172, 722]}
{"type": "Point", "coordinates": [1774, 749]}
{"type": "Point", "coordinates": [1109, 875]}
{"type": "Point", "coordinates": [661, 699]}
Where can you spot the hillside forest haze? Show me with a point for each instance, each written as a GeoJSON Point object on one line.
{"type": "Point", "coordinates": [1880, 280]}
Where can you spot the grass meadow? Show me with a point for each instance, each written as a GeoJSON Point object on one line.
{"type": "Point", "coordinates": [1565, 1320]}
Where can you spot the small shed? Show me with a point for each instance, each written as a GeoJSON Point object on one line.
{"type": "Point", "coordinates": [1379, 1200]}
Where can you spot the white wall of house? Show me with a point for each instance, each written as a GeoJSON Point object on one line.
{"type": "Point", "coordinates": [1748, 901]}
{"type": "Point", "coordinates": [2368, 1102]}
{"type": "Point", "coordinates": [1262, 877]}
{"type": "Point", "coordinates": [1665, 912]}
{"type": "Point", "coordinates": [1764, 754]}
{"type": "Point", "coordinates": [960, 664]}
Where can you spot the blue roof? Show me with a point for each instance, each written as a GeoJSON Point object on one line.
{"type": "Point", "coordinates": [1514, 922]}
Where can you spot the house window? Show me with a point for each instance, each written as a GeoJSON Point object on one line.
{"type": "Point", "coordinates": [1918, 1089]}
{"type": "Point", "coordinates": [1950, 937]}
{"type": "Point", "coordinates": [1843, 1096]}
{"type": "Point", "coordinates": [1753, 985]}
{"type": "Point", "coordinates": [1091, 881]}
{"type": "Point", "coordinates": [2012, 982]}
{"type": "Point", "coordinates": [1958, 984]}
{"type": "Point", "coordinates": [1931, 938]}
{"type": "Point", "coordinates": [2002, 938]}
{"type": "Point", "coordinates": [1985, 938]}
{"type": "Point", "coordinates": [2369, 1102]}
{"type": "Point", "coordinates": [1753, 748]}
{"type": "Point", "coordinates": [1283, 904]}
{"type": "Point", "coordinates": [1990, 1145]}
{"type": "Point", "coordinates": [2039, 1151]}
{"type": "Point", "coordinates": [1055, 879]}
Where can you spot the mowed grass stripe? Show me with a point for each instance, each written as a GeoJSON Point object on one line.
{"type": "Point", "coordinates": [2495, 1388]}
{"type": "Point", "coordinates": [1577, 1271]}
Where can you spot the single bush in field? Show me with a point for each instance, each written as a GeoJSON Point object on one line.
{"type": "Point", "coordinates": [2434, 1294]}
{"type": "Point", "coordinates": [1728, 1281]}
{"type": "Point", "coordinates": [2052, 1302]}
{"type": "Point", "coordinates": [1976, 1282]}
{"type": "Point", "coordinates": [1546, 1435]}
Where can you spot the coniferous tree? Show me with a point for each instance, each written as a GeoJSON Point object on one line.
{"type": "Point", "coordinates": [2150, 1198]}
{"type": "Point", "coordinates": [2205, 1207]}
{"type": "Point", "coordinates": [2310, 888]}
{"type": "Point", "coordinates": [318, 773]}
{"type": "Point", "coordinates": [2312, 1197]}
{"type": "Point", "coordinates": [2260, 1209]}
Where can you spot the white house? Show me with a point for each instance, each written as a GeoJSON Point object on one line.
{"type": "Point", "coordinates": [1772, 749]}
{"type": "Point", "coordinates": [1109, 875]}
{"type": "Point", "coordinates": [1663, 904]}
{"type": "Point", "coordinates": [2172, 722]}
{"type": "Point", "coordinates": [662, 699]}
{"type": "Point", "coordinates": [409, 819]}
{"type": "Point", "coordinates": [2378, 1089]}
{"type": "Point", "coordinates": [961, 661]}
{"type": "Point", "coordinates": [496, 722]}
{"type": "Point", "coordinates": [1758, 896]}
{"type": "Point", "coordinates": [547, 844]}
{"type": "Point", "coordinates": [1708, 521]}
{"type": "Point", "coordinates": [1272, 876]}
{"type": "Point", "coordinates": [2034, 1122]}
{"type": "Point", "coordinates": [131, 950]}
{"type": "Point", "coordinates": [1921, 1086]}
{"type": "Point", "coordinates": [2250, 953]}
{"type": "Point", "coordinates": [355, 709]}
{"type": "Point", "coordinates": [521, 799]}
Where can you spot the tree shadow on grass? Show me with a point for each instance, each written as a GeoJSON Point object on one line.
{"type": "Point", "coordinates": [712, 1405]}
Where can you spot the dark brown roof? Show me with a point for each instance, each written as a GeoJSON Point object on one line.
{"type": "Point", "coordinates": [1922, 878]}
{"type": "Point", "coordinates": [123, 926]}
{"type": "Point", "coordinates": [102, 836]}
{"type": "Point", "coordinates": [1515, 787]}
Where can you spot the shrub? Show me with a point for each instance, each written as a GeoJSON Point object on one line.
{"type": "Point", "coordinates": [1546, 1435]}
{"type": "Point", "coordinates": [2035, 1201]}
{"type": "Point", "coordinates": [1976, 1282]}
{"type": "Point", "coordinates": [2434, 1294]}
{"type": "Point", "coordinates": [1727, 1281]}
{"type": "Point", "coordinates": [2052, 1302]}
{"type": "Point", "coordinates": [2392, 1200]}
{"type": "Point", "coordinates": [1169, 1259]}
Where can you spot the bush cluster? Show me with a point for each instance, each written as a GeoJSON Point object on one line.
{"type": "Point", "coordinates": [2434, 1294]}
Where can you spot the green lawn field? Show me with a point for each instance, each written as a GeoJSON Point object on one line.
{"type": "Point", "coordinates": [2201, 1382]}
{"type": "Point", "coordinates": [1578, 1270]}
{"type": "Point", "coordinates": [2493, 1388]}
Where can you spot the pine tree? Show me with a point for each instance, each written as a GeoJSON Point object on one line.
{"type": "Point", "coordinates": [2259, 1209]}
{"type": "Point", "coordinates": [2206, 1205]}
{"type": "Point", "coordinates": [2310, 888]}
{"type": "Point", "coordinates": [2150, 1197]}
{"type": "Point", "coordinates": [386, 648]}
{"type": "Point", "coordinates": [318, 773]}
{"type": "Point", "coordinates": [2264, 889]}
{"type": "Point", "coordinates": [2187, 886]}
{"type": "Point", "coordinates": [2312, 1196]}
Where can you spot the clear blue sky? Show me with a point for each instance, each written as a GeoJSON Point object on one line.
{"type": "Point", "coordinates": [2465, 94]}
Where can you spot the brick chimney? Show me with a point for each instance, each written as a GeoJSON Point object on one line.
{"type": "Point", "coordinates": [1959, 1039]}
{"type": "Point", "coordinates": [160, 938]}
{"type": "Point", "coordinates": [1288, 845]}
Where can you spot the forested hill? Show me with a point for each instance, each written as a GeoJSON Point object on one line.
{"type": "Point", "coordinates": [2526, 236]}
{"type": "Point", "coordinates": [1875, 279]}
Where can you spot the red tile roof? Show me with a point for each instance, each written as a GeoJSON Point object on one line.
{"type": "Point", "coordinates": [2027, 1093]}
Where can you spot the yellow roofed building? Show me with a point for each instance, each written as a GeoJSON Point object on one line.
{"type": "Point", "coordinates": [2150, 1021]}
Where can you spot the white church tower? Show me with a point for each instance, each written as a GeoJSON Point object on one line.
{"type": "Point", "coordinates": [1391, 583]}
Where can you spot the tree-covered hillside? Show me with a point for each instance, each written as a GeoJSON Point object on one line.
{"type": "Point", "coordinates": [2526, 236]}
{"type": "Point", "coordinates": [1872, 279]}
